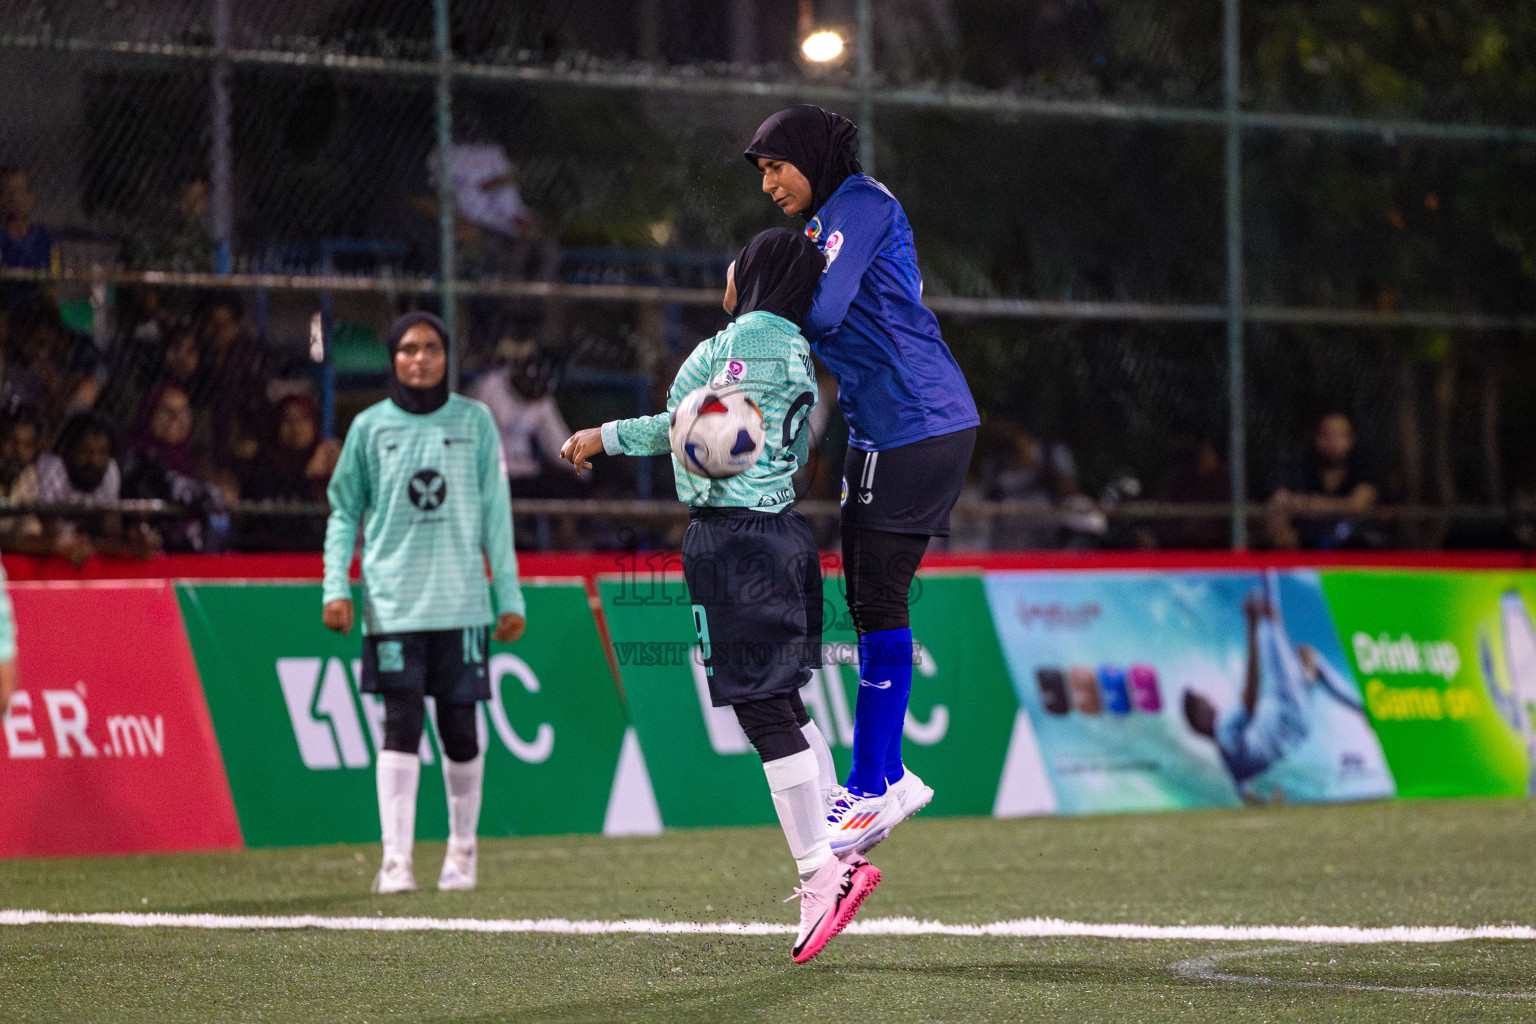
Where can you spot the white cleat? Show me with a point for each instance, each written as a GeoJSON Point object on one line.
{"type": "Point", "coordinates": [458, 874]}
{"type": "Point", "coordinates": [858, 824]}
{"type": "Point", "coordinates": [851, 820]}
{"type": "Point", "coordinates": [910, 794]}
{"type": "Point", "coordinates": [394, 876]}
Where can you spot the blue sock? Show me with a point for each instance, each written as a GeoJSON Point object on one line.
{"type": "Point", "coordinates": [885, 682]}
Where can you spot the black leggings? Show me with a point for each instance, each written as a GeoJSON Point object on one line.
{"type": "Point", "coordinates": [878, 568]}
{"type": "Point", "coordinates": [405, 715]}
{"type": "Point", "coordinates": [773, 724]}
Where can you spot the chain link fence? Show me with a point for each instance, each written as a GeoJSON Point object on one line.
{"type": "Point", "coordinates": [238, 199]}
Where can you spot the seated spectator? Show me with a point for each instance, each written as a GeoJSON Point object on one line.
{"type": "Point", "coordinates": [19, 386]}
{"type": "Point", "coordinates": [160, 464]}
{"type": "Point", "coordinates": [169, 353]}
{"type": "Point", "coordinates": [175, 235]}
{"type": "Point", "coordinates": [530, 425]}
{"type": "Point", "coordinates": [47, 358]}
{"type": "Point", "coordinates": [233, 371]}
{"type": "Point", "coordinates": [1028, 468]}
{"type": "Point", "coordinates": [532, 429]}
{"type": "Point", "coordinates": [1325, 498]}
{"type": "Point", "coordinates": [295, 465]}
{"type": "Point", "coordinates": [24, 243]}
{"type": "Point", "coordinates": [84, 472]}
{"type": "Point", "coordinates": [21, 439]}
{"type": "Point", "coordinates": [1197, 474]}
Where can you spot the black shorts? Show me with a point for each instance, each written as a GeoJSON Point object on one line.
{"type": "Point", "coordinates": [445, 664]}
{"type": "Point", "coordinates": [755, 582]}
{"type": "Point", "coordinates": [910, 489]}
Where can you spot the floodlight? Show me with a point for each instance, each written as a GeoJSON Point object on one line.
{"type": "Point", "coordinates": [822, 46]}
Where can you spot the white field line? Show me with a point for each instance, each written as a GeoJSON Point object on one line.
{"type": "Point", "coordinates": [1207, 968]}
{"type": "Point", "coordinates": [1034, 927]}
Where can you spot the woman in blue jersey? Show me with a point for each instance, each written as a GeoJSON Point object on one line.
{"type": "Point", "coordinates": [911, 427]}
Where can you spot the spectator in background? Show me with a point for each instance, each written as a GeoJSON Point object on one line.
{"type": "Point", "coordinates": [531, 432]}
{"type": "Point", "coordinates": [21, 440]}
{"type": "Point", "coordinates": [493, 225]}
{"type": "Point", "coordinates": [1325, 498]}
{"type": "Point", "coordinates": [19, 385]}
{"type": "Point", "coordinates": [1197, 474]}
{"type": "Point", "coordinates": [169, 353]}
{"type": "Point", "coordinates": [160, 464]}
{"type": "Point", "coordinates": [84, 472]}
{"type": "Point", "coordinates": [295, 465]}
{"type": "Point", "coordinates": [175, 235]}
{"type": "Point", "coordinates": [45, 358]}
{"type": "Point", "coordinates": [529, 422]}
{"type": "Point", "coordinates": [233, 377]}
{"type": "Point", "coordinates": [1024, 467]}
{"type": "Point", "coordinates": [24, 243]}
{"type": "Point", "coordinates": [485, 189]}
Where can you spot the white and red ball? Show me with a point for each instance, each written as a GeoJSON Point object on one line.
{"type": "Point", "coordinates": [717, 432]}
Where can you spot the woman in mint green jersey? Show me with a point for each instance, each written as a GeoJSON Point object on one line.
{"type": "Point", "coordinates": [421, 475]}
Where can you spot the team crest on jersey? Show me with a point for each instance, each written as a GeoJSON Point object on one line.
{"type": "Point", "coordinates": [427, 489]}
{"type": "Point", "coordinates": [813, 229]}
{"type": "Point", "coordinates": [732, 374]}
{"type": "Point", "coordinates": [834, 245]}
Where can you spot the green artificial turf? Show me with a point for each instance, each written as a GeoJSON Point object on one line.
{"type": "Point", "coordinates": [1446, 862]}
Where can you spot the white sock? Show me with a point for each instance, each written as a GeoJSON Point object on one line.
{"type": "Point", "coordinates": [398, 777]}
{"type": "Point", "coordinates": [464, 781]}
{"type": "Point", "coordinates": [826, 771]}
{"type": "Point", "coordinates": [795, 784]}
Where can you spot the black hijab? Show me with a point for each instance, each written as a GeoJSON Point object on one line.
{"type": "Point", "coordinates": [777, 272]}
{"type": "Point", "coordinates": [822, 145]}
{"type": "Point", "coordinates": [415, 400]}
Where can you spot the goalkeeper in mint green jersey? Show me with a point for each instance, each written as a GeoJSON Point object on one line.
{"type": "Point", "coordinates": [421, 473]}
{"type": "Point", "coordinates": [753, 571]}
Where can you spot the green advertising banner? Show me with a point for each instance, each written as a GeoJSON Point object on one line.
{"type": "Point", "coordinates": [1447, 669]}
{"type": "Point", "coordinates": [299, 739]}
{"type": "Point", "coordinates": [705, 773]}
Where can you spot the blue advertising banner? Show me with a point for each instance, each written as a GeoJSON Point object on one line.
{"type": "Point", "coordinates": [1152, 691]}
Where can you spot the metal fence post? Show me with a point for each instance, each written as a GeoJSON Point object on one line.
{"type": "Point", "coordinates": [866, 73]}
{"type": "Point", "coordinates": [221, 199]}
{"type": "Point", "coordinates": [447, 269]}
{"type": "Point", "coordinates": [1237, 447]}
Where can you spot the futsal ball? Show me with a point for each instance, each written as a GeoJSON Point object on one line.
{"type": "Point", "coordinates": [717, 433]}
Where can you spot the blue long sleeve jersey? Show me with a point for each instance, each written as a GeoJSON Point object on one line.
{"type": "Point", "coordinates": [431, 496]}
{"type": "Point", "coordinates": [897, 381]}
{"type": "Point", "coordinates": [765, 356]}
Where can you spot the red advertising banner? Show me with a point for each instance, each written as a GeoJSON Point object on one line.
{"type": "Point", "coordinates": [108, 746]}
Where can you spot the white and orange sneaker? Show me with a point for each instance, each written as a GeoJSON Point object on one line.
{"type": "Point", "coordinates": [856, 824]}
{"type": "Point", "coordinates": [828, 901]}
{"type": "Point", "coordinates": [910, 794]}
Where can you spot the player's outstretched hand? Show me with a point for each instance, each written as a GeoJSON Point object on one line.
{"type": "Point", "coordinates": [509, 627]}
{"type": "Point", "coordinates": [581, 446]}
{"type": "Point", "coordinates": [337, 616]}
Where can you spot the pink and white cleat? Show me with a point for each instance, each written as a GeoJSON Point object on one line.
{"type": "Point", "coordinates": [828, 901]}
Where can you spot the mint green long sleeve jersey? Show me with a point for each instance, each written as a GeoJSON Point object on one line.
{"type": "Point", "coordinates": [430, 494]}
{"type": "Point", "coordinates": [765, 356]}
